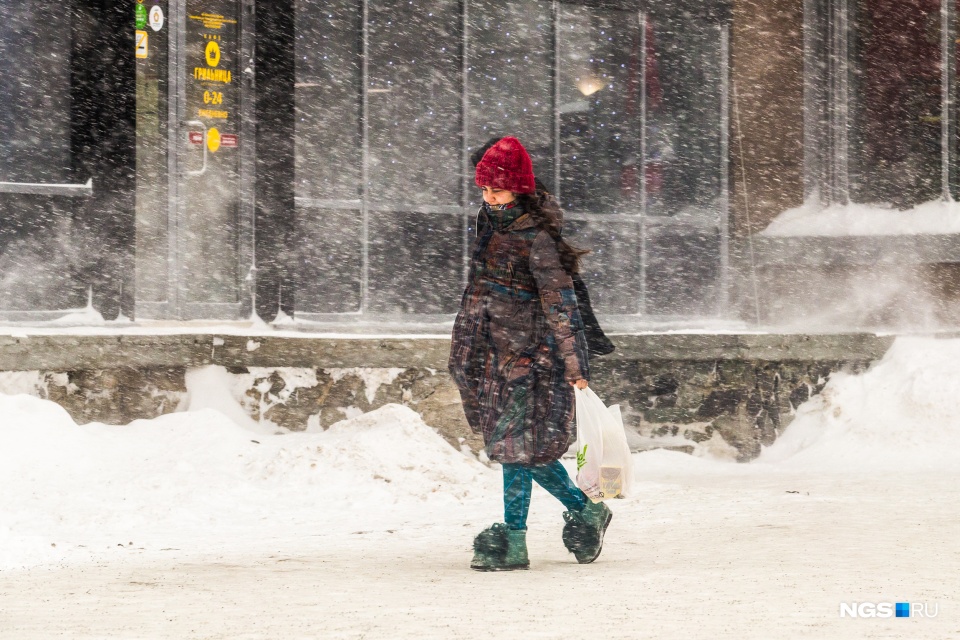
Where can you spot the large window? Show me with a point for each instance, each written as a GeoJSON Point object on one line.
{"type": "Point", "coordinates": [379, 152]}
{"type": "Point", "coordinates": [329, 155]}
{"type": "Point", "coordinates": [622, 110]}
{"type": "Point", "coordinates": [510, 86]}
{"type": "Point", "coordinates": [41, 254]}
{"type": "Point", "coordinates": [881, 112]}
{"type": "Point", "coordinates": [35, 107]}
{"type": "Point", "coordinates": [896, 102]}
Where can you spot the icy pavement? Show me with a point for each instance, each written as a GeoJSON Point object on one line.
{"type": "Point", "coordinates": [192, 526]}
{"type": "Point", "coordinates": [698, 556]}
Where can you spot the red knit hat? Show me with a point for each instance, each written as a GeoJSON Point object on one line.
{"type": "Point", "coordinates": [506, 165]}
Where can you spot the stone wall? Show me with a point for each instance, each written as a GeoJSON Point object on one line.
{"type": "Point", "coordinates": [719, 395]}
{"type": "Point", "coordinates": [291, 398]}
{"type": "Point", "coordinates": [718, 407]}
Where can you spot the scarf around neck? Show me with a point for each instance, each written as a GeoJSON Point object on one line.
{"type": "Point", "coordinates": [502, 216]}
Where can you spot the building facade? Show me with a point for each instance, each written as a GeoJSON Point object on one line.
{"type": "Point", "coordinates": [199, 159]}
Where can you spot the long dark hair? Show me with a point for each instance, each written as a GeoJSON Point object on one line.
{"type": "Point", "coordinates": [548, 219]}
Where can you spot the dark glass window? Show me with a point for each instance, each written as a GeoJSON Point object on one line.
{"type": "Point", "coordinates": [152, 200]}
{"type": "Point", "coordinates": [328, 72]}
{"type": "Point", "coordinates": [685, 75]}
{"type": "Point", "coordinates": [685, 164]}
{"type": "Point", "coordinates": [329, 155]}
{"type": "Point", "coordinates": [35, 45]}
{"type": "Point", "coordinates": [414, 102]}
{"type": "Point", "coordinates": [510, 55]}
{"type": "Point", "coordinates": [43, 251]}
{"type": "Point", "coordinates": [414, 156]}
{"type": "Point", "coordinates": [600, 109]}
{"type": "Point", "coordinates": [895, 151]}
{"type": "Point", "coordinates": [620, 110]}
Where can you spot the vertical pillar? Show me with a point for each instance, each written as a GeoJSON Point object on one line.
{"type": "Point", "coordinates": [275, 248]}
{"type": "Point", "coordinates": [103, 92]}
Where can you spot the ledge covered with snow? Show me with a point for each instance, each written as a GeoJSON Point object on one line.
{"type": "Point", "coordinates": [810, 219]}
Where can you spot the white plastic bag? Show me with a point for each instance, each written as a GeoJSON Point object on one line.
{"type": "Point", "coordinates": [604, 466]}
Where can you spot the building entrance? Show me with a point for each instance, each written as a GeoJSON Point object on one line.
{"type": "Point", "coordinates": [194, 181]}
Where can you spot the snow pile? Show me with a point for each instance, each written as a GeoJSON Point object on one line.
{"type": "Point", "coordinates": [902, 414]}
{"type": "Point", "coordinates": [385, 456]}
{"type": "Point", "coordinates": [28, 382]}
{"type": "Point", "coordinates": [213, 388]}
{"type": "Point", "coordinates": [210, 473]}
{"type": "Point", "coordinates": [810, 219]}
{"type": "Point", "coordinates": [199, 475]}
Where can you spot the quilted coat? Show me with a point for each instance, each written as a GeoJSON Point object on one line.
{"type": "Point", "coordinates": [518, 341]}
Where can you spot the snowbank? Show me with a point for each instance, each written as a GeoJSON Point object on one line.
{"type": "Point", "coordinates": [901, 415]}
{"type": "Point", "coordinates": [205, 474]}
{"type": "Point", "coordinates": [199, 475]}
{"type": "Point", "coordinates": [810, 219]}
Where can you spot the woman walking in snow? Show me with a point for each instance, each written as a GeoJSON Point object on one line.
{"type": "Point", "coordinates": [518, 350]}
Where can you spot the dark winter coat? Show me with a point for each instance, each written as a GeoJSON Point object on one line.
{"type": "Point", "coordinates": [518, 342]}
{"type": "Point", "coordinates": [598, 344]}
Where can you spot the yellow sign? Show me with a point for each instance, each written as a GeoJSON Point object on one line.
{"type": "Point", "coordinates": [212, 20]}
{"type": "Point", "coordinates": [213, 54]}
{"type": "Point", "coordinates": [212, 75]}
{"type": "Point", "coordinates": [213, 113]}
{"type": "Point", "coordinates": [213, 140]}
{"type": "Point", "coordinates": [212, 97]}
{"type": "Point", "coordinates": [142, 40]}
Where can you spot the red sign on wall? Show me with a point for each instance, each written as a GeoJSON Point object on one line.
{"type": "Point", "coordinates": [229, 140]}
{"type": "Point", "coordinates": [196, 137]}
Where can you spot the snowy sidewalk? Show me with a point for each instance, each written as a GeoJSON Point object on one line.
{"type": "Point", "coordinates": [197, 525]}
{"type": "Point", "coordinates": [694, 556]}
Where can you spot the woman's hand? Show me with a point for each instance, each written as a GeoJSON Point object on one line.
{"type": "Point", "coordinates": [580, 384]}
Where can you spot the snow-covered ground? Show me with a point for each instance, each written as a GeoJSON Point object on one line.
{"type": "Point", "coordinates": [194, 526]}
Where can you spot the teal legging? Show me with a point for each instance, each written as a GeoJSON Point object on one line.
{"type": "Point", "coordinates": [518, 485]}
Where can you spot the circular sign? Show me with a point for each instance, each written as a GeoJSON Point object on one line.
{"type": "Point", "coordinates": [156, 18]}
{"type": "Point", "coordinates": [213, 53]}
{"type": "Point", "coordinates": [140, 16]}
{"type": "Point", "coordinates": [213, 140]}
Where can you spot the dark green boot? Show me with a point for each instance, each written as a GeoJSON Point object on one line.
{"type": "Point", "coordinates": [500, 548]}
{"type": "Point", "coordinates": [583, 533]}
